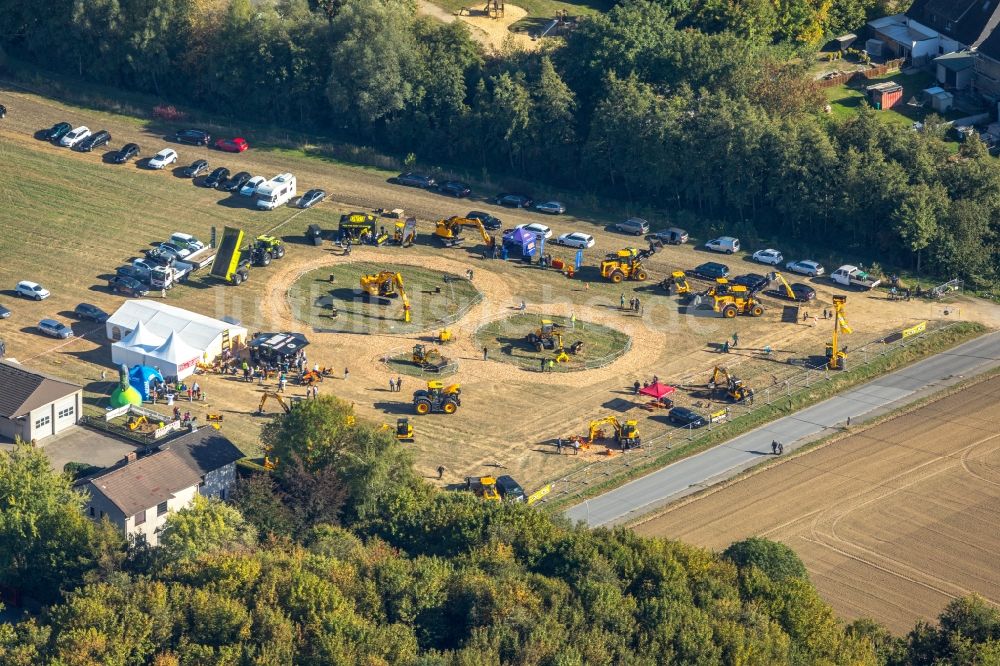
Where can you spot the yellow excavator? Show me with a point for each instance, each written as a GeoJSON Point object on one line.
{"type": "Point", "coordinates": [626, 434]}
{"type": "Point", "coordinates": [135, 423]}
{"type": "Point", "coordinates": [626, 264]}
{"type": "Point", "coordinates": [561, 355]}
{"type": "Point", "coordinates": [449, 231]}
{"type": "Point", "coordinates": [403, 431]}
{"type": "Point", "coordinates": [735, 388]}
{"type": "Point", "coordinates": [836, 357]}
{"type": "Point", "coordinates": [786, 288]}
{"type": "Point", "coordinates": [386, 284]}
{"type": "Point", "coordinates": [271, 395]}
{"type": "Point", "coordinates": [428, 358]}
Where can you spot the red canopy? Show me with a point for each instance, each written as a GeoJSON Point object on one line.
{"type": "Point", "coordinates": [657, 390]}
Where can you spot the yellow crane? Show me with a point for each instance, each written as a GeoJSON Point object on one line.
{"type": "Point", "coordinates": [626, 434]}
{"type": "Point", "coordinates": [449, 231]}
{"type": "Point", "coordinates": [837, 357]}
{"type": "Point", "coordinates": [386, 284]}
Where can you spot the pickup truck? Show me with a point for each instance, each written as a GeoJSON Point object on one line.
{"type": "Point", "coordinates": [852, 276]}
{"type": "Point", "coordinates": [157, 276]}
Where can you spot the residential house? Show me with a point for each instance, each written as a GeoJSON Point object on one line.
{"type": "Point", "coordinates": [33, 405]}
{"type": "Point", "coordinates": [932, 28]}
{"type": "Point", "coordinates": [987, 68]}
{"type": "Point", "coordinates": [141, 492]}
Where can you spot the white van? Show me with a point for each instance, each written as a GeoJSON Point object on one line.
{"type": "Point", "coordinates": [724, 244]}
{"type": "Point", "coordinates": [276, 192]}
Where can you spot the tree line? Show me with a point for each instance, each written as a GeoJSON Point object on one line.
{"type": "Point", "coordinates": [344, 556]}
{"type": "Point", "coordinates": [698, 109]}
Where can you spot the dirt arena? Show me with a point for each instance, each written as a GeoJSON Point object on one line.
{"type": "Point", "coordinates": [892, 522]}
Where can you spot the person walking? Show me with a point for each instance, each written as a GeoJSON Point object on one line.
{"type": "Point", "coordinates": [736, 339]}
{"type": "Point", "coordinates": [190, 392]}
{"type": "Point", "coordinates": [636, 386]}
{"type": "Point", "coordinates": [623, 301]}
{"type": "Point", "coordinates": [576, 447]}
{"type": "Point", "coordinates": [485, 352]}
{"type": "Point", "coordinates": [725, 347]}
{"type": "Point", "coordinates": [559, 445]}
{"type": "Point", "coordinates": [282, 380]}
{"type": "Point", "coordinates": [440, 472]}
{"type": "Point", "coordinates": [347, 373]}
{"type": "Point", "coordinates": [781, 448]}
{"type": "Point", "coordinates": [541, 364]}
{"type": "Point", "coordinates": [774, 446]}
{"type": "Point", "coordinates": [392, 385]}
{"type": "Point", "coordinates": [552, 365]}
{"type": "Point", "coordinates": [399, 384]}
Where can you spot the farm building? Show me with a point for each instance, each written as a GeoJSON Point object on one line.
{"type": "Point", "coordinates": [885, 95]}
{"type": "Point", "coordinates": [151, 333]}
{"type": "Point", "coordinates": [34, 406]}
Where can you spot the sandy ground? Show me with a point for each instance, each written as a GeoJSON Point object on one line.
{"type": "Point", "coordinates": [493, 33]}
{"type": "Point", "coordinates": [892, 522]}
{"type": "Point", "coordinates": [509, 416]}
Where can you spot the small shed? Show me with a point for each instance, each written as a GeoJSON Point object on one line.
{"type": "Point", "coordinates": [841, 43]}
{"type": "Point", "coordinates": [955, 70]}
{"type": "Point", "coordinates": [939, 99]}
{"type": "Point", "coordinates": [885, 95]}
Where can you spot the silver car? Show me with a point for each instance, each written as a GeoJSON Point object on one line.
{"type": "Point", "coordinates": [633, 225]}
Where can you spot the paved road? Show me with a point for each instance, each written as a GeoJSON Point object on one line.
{"type": "Point", "coordinates": [718, 463]}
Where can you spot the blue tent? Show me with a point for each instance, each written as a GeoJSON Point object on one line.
{"type": "Point", "coordinates": [141, 378]}
{"type": "Point", "coordinates": [520, 241]}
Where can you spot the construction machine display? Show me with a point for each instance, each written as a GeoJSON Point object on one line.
{"type": "Point", "coordinates": [232, 263]}
{"type": "Point", "coordinates": [676, 284]}
{"type": "Point", "coordinates": [428, 358]}
{"type": "Point", "coordinates": [449, 231]}
{"type": "Point", "coordinates": [626, 264]}
{"type": "Point", "coordinates": [437, 398]}
{"type": "Point", "coordinates": [385, 285]}
{"type": "Point", "coordinates": [543, 337]}
{"type": "Point", "coordinates": [836, 357]}
{"type": "Point", "coordinates": [402, 431]}
{"type": "Point", "coordinates": [484, 487]}
{"type": "Point", "coordinates": [730, 300]}
{"type": "Point", "coordinates": [271, 395]}
{"type": "Point", "coordinates": [734, 387]}
{"type": "Point", "coordinates": [265, 248]}
{"type": "Point", "coordinates": [626, 434]}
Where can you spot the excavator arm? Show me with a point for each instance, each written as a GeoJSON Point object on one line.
{"type": "Point", "coordinates": [476, 224]}
{"type": "Point", "coordinates": [398, 282]}
{"type": "Point", "coordinates": [595, 427]}
{"type": "Point", "coordinates": [781, 278]}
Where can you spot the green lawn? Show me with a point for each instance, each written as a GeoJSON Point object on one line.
{"type": "Point", "coordinates": [536, 8]}
{"type": "Point", "coordinates": [845, 100]}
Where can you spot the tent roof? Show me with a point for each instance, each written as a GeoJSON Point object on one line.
{"type": "Point", "coordinates": [657, 390]}
{"type": "Point", "coordinates": [175, 350]}
{"type": "Point", "coordinates": [162, 320]}
{"type": "Point", "coordinates": [140, 335]}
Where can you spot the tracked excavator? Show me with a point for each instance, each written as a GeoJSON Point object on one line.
{"type": "Point", "coordinates": [626, 434]}
{"type": "Point", "coordinates": [271, 395]}
{"type": "Point", "coordinates": [428, 358]}
{"type": "Point", "coordinates": [449, 231]}
{"type": "Point", "coordinates": [386, 284]}
{"type": "Point", "coordinates": [735, 388]}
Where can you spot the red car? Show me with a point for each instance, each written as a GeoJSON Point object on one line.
{"type": "Point", "coordinates": [237, 145]}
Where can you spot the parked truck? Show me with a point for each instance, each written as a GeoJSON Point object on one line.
{"type": "Point", "coordinates": [852, 276]}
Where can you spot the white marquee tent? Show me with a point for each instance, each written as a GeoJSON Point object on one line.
{"type": "Point", "coordinates": [174, 340]}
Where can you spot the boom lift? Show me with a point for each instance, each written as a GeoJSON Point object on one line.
{"type": "Point", "coordinates": [837, 357]}
{"type": "Point", "coordinates": [449, 231]}
{"type": "Point", "coordinates": [736, 390]}
{"type": "Point", "coordinates": [626, 434]}
{"type": "Point", "coordinates": [437, 398]}
{"type": "Point", "coordinates": [271, 395]}
{"type": "Point", "coordinates": [386, 285]}
{"type": "Point", "coordinates": [626, 264]}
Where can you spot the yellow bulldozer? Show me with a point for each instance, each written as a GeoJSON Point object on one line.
{"type": "Point", "coordinates": [384, 285]}
{"type": "Point", "coordinates": [626, 434]}
{"type": "Point", "coordinates": [437, 398]}
{"type": "Point", "coordinates": [449, 231]}
{"type": "Point", "coordinates": [735, 388]}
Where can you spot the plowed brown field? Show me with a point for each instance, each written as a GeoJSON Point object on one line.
{"type": "Point", "coordinates": [892, 522]}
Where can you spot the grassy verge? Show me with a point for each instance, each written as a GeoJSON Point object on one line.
{"type": "Point", "coordinates": [928, 344]}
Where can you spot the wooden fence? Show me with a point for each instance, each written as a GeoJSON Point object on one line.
{"type": "Point", "coordinates": [872, 73]}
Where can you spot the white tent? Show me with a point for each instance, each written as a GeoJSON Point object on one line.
{"type": "Point", "coordinates": [153, 333]}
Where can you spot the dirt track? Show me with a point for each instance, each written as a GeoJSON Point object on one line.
{"type": "Point", "coordinates": [892, 522]}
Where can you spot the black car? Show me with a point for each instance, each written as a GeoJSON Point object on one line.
{"type": "Point", "coordinates": [125, 153]}
{"type": "Point", "coordinates": [683, 416]}
{"type": "Point", "coordinates": [489, 222]}
{"type": "Point", "coordinates": [513, 200]}
{"type": "Point", "coordinates": [711, 270]}
{"type": "Point", "coordinates": [454, 188]}
{"type": "Point", "coordinates": [91, 312]}
{"type": "Point", "coordinates": [237, 181]}
{"type": "Point", "coordinates": [197, 167]}
{"type": "Point", "coordinates": [800, 292]}
{"type": "Point", "coordinates": [412, 179]}
{"type": "Point", "coordinates": [195, 137]}
{"type": "Point", "coordinates": [95, 140]}
{"type": "Point", "coordinates": [216, 178]}
{"type": "Point", "coordinates": [311, 198]}
{"type": "Point", "coordinates": [754, 282]}
{"type": "Point", "coordinates": [510, 490]}
{"type": "Point", "coordinates": [56, 132]}
{"type": "Point", "coordinates": [127, 286]}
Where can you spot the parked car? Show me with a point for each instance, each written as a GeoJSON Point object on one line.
{"type": "Point", "coordinates": [74, 136]}
{"type": "Point", "coordinates": [413, 179]}
{"type": "Point", "coordinates": [805, 267]}
{"type": "Point", "coordinates": [216, 178]}
{"type": "Point", "coordinates": [510, 490]}
{"type": "Point", "coordinates": [633, 225]}
{"type": "Point", "coordinates": [536, 228]}
{"type": "Point", "coordinates": [28, 289]}
{"type": "Point", "coordinates": [576, 239]}
{"type": "Point", "coordinates": [550, 207]}
{"type": "Point", "coordinates": [174, 249]}
{"type": "Point", "coordinates": [95, 140]}
{"type": "Point", "coordinates": [724, 244]}
{"type": "Point", "coordinates": [671, 236]}
{"type": "Point", "coordinates": [711, 270]}
{"type": "Point", "coordinates": [769, 256]}
{"type": "Point", "coordinates": [454, 188]}
{"type": "Point", "coordinates": [236, 181]}
{"type": "Point", "coordinates": [236, 145]}
{"type": "Point", "coordinates": [513, 200]}
{"type": "Point", "coordinates": [195, 137]}
{"type": "Point", "coordinates": [55, 329]}
{"type": "Point", "coordinates": [162, 159]}
{"type": "Point", "coordinates": [489, 222]}
{"type": "Point", "coordinates": [128, 286]}
{"type": "Point", "coordinates": [250, 187]}
{"type": "Point", "coordinates": [125, 153]}
{"type": "Point", "coordinates": [803, 292]}
{"type": "Point", "coordinates": [683, 416]}
{"type": "Point", "coordinates": [186, 241]}
{"type": "Point", "coordinates": [752, 281]}
{"type": "Point", "coordinates": [311, 198]}
{"type": "Point", "coordinates": [90, 313]}
{"type": "Point", "coordinates": [197, 168]}
{"type": "Point", "coordinates": [4, 312]}
{"type": "Point", "coordinates": [56, 132]}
